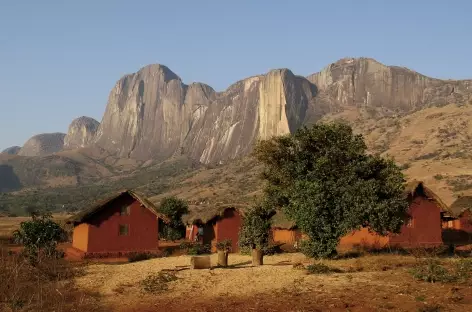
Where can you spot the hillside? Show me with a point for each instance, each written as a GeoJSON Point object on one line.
{"type": "Point", "coordinates": [153, 118]}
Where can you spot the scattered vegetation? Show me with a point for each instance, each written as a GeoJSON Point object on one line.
{"type": "Point", "coordinates": [438, 177]}
{"type": "Point", "coordinates": [224, 245]}
{"type": "Point", "coordinates": [158, 282]}
{"type": "Point", "coordinates": [141, 256]}
{"type": "Point", "coordinates": [431, 270]}
{"type": "Point", "coordinates": [320, 268]}
{"type": "Point", "coordinates": [324, 180]}
{"type": "Point", "coordinates": [47, 286]}
{"type": "Point", "coordinates": [195, 249]}
{"type": "Point", "coordinates": [39, 236]}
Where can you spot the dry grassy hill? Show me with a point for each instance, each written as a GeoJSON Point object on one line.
{"type": "Point", "coordinates": [432, 145]}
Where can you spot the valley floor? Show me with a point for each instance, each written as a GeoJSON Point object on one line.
{"type": "Point", "coordinates": [367, 283]}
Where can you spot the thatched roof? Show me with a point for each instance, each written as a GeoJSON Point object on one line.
{"type": "Point", "coordinates": [204, 213]}
{"type": "Point", "coordinates": [281, 221]}
{"type": "Point", "coordinates": [414, 186]}
{"type": "Point", "coordinates": [100, 205]}
{"type": "Point", "coordinates": [461, 204]}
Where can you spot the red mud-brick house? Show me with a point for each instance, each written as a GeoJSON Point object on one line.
{"type": "Point", "coordinates": [218, 223]}
{"type": "Point", "coordinates": [126, 222]}
{"type": "Point", "coordinates": [423, 227]}
{"type": "Point", "coordinates": [457, 229]}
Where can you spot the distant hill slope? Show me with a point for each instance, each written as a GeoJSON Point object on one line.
{"type": "Point", "coordinates": [153, 117]}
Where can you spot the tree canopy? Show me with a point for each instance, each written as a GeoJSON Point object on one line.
{"type": "Point", "coordinates": [174, 208]}
{"type": "Point", "coordinates": [325, 181]}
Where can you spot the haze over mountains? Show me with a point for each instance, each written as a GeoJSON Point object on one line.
{"type": "Point", "coordinates": [152, 115]}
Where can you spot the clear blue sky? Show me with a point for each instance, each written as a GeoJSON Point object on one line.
{"type": "Point", "coordinates": [60, 59]}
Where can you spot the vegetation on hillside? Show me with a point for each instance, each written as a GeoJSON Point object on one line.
{"type": "Point", "coordinates": [323, 179]}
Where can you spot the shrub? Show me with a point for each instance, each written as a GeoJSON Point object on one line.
{"type": "Point", "coordinates": [195, 249]}
{"type": "Point", "coordinates": [47, 286]}
{"type": "Point", "coordinates": [320, 268]}
{"type": "Point", "coordinates": [224, 245]}
{"type": "Point", "coordinates": [140, 256]}
{"type": "Point", "coordinates": [40, 235]}
{"type": "Point", "coordinates": [158, 282]}
{"type": "Point", "coordinates": [439, 177]}
{"type": "Point", "coordinates": [431, 271]}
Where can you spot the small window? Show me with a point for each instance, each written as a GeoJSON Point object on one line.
{"type": "Point", "coordinates": [450, 224]}
{"type": "Point", "coordinates": [409, 223]}
{"type": "Point", "coordinates": [124, 230]}
{"type": "Point", "coordinates": [124, 211]}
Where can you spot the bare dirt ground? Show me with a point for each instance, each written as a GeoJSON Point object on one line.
{"type": "Point", "coordinates": [369, 283]}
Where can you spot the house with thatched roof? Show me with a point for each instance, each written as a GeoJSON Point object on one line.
{"type": "Point", "coordinates": [125, 222]}
{"type": "Point", "coordinates": [458, 230]}
{"type": "Point", "coordinates": [421, 229]}
{"type": "Point", "coordinates": [423, 226]}
{"type": "Point", "coordinates": [211, 225]}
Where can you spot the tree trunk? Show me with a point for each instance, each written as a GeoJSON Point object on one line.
{"type": "Point", "coordinates": [257, 257]}
{"type": "Point", "coordinates": [222, 258]}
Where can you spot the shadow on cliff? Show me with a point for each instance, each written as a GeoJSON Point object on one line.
{"type": "Point", "coordinates": [9, 181]}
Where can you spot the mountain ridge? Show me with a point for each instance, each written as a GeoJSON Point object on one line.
{"type": "Point", "coordinates": [152, 115]}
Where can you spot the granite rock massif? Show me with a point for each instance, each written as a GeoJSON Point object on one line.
{"type": "Point", "coordinates": [43, 144]}
{"type": "Point", "coordinates": [12, 150]}
{"type": "Point", "coordinates": [153, 114]}
{"type": "Point", "coordinates": [81, 132]}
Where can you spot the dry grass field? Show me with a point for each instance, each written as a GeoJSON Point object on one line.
{"type": "Point", "coordinates": [367, 283]}
{"type": "Point", "coordinates": [10, 224]}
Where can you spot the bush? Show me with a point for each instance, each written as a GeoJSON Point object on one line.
{"type": "Point", "coordinates": [430, 270]}
{"type": "Point", "coordinates": [439, 177]}
{"type": "Point", "coordinates": [47, 286]}
{"type": "Point", "coordinates": [195, 249]}
{"type": "Point", "coordinates": [140, 256]}
{"type": "Point", "coordinates": [320, 268]}
{"type": "Point", "coordinates": [40, 236]}
{"type": "Point", "coordinates": [224, 245]}
{"type": "Point", "coordinates": [156, 283]}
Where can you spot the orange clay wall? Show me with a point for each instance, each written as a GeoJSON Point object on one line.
{"type": "Point", "coordinates": [80, 237]}
{"type": "Point", "coordinates": [284, 236]}
{"type": "Point", "coordinates": [363, 238]}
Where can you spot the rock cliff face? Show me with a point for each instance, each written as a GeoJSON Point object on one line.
{"type": "Point", "coordinates": [367, 83]}
{"type": "Point", "coordinates": [13, 150]}
{"type": "Point", "coordinates": [81, 132]}
{"type": "Point", "coordinates": [153, 114]}
{"type": "Point", "coordinates": [43, 144]}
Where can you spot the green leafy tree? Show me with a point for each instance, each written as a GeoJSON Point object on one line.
{"type": "Point", "coordinates": [40, 236]}
{"type": "Point", "coordinates": [174, 208]}
{"type": "Point", "coordinates": [324, 180]}
{"type": "Point", "coordinates": [255, 229]}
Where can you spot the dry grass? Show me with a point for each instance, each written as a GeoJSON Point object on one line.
{"type": "Point", "coordinates": [371, 283]}
{"type": "Point", "coordinates": [47, 286]}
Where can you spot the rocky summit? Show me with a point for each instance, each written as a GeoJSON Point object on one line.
{"type": "Point", "coordinates": [81, 132]}
{"type": "Point", "coordinates": [13, 150]}
{"type": "Point", "coordinates": [153, 114]}
{"type": "Point", "coordinates": [43, 144]}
